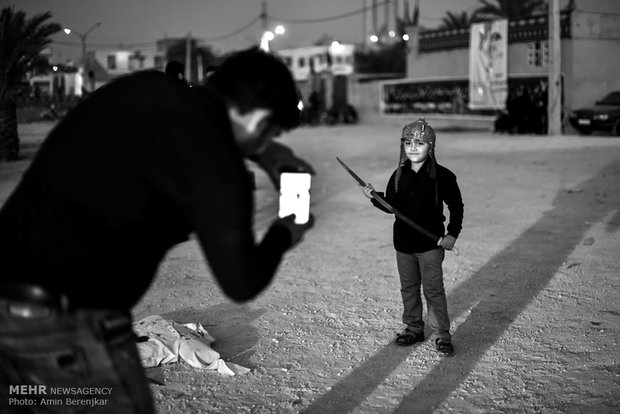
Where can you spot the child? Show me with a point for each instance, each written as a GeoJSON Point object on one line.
{"type": "Point", "coordinates": [418, 188]}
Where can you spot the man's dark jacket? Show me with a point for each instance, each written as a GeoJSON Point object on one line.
{"type": "Point", "coordinates": [131, 171]}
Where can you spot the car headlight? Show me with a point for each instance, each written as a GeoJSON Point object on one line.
{"type": "Point", "coordinates": [601, 117]}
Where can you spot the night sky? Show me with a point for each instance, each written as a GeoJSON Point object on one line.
{"type": "Point", "coordinates": [137, 24]}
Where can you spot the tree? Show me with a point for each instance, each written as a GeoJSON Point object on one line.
{"type": "Point", "coordinates": [508, 9]}
{"type": "Point", "coordinates": [411, 19]}
{"type": "Point", "coordinates": [453, 21]}
{"type": "Point", "coordinates": [21, 41]}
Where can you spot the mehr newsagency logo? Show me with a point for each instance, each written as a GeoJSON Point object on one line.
{"type": "Point", "coordinates": [42, 395]}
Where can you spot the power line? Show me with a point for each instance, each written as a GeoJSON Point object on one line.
{"type": "Point", "coordinates": [241, 29]}
{"type": "Point", "coordinates": [330, 18]}
{"type": "Point", "coordinates": [253, 21]}
{"type": "Point", "coordinates": [103, 45]}
{"type": "Point", "coordinates": [145, 44]}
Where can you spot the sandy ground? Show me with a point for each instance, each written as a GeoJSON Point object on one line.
{"type": "Point", "coordinates": [533, 295]}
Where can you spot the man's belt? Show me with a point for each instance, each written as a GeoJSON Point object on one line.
{"type": "Point", "coordinates": [28, 301]}
{"type": "Point", "coordinates": [31, 301]}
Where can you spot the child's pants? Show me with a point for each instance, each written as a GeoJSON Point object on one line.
{"type": "Point", "coordinates": [424, 269]}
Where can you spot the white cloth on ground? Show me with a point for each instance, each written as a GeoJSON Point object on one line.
{"type": "Point", "coordinates": [169, 340]}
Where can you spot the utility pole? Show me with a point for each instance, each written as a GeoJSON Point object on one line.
{"type": "Point", "coordinates": [554, 90]}
{"type": "Point", "coordinates": [83, 36]}
{"type": "Point", "coordinates": [263, 16]}
{"type": "Point", "coordinates": [364, 33]}
{"type": "Point", "coordinates": [395, 6]}
{"type": "Point", "coordinates": [188, 57]}
{"type": "Point", "coordinates": [386, 11]}
{"type": "Point", "coordinates": [374, 17]}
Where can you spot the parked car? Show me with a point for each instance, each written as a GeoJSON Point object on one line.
{"type": "Point", "coordinates": [604, 116]}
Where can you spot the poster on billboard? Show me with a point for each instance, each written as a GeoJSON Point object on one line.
{"type": "Point", "coordinates": [488, 65]}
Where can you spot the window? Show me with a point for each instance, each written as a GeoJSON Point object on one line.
{"type": "Point", "coordinates": [111, 62]}
{"type": "Point", "coordinates": [302, 62]}
{"type": "Point", "coordinates": [538, 54]}
{"type": "Point", "coordinates": [159, 62]}
{"type": "Point", "coordinates": [288, 61]}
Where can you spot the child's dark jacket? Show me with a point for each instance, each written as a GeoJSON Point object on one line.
{"type": "Point", "coordinates": [416, 200]}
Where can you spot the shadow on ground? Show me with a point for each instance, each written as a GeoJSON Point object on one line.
{"type": "Point", "coordinates": [503, 288]}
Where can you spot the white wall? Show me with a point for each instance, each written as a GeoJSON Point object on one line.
{"type": "Point", "coordinates": [592, 60]}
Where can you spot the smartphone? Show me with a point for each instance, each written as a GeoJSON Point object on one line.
{"type": "Point", "coordinates": [295, 196]}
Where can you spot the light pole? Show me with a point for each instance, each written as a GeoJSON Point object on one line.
{"type": "Point", "coordinates": [82, 37]}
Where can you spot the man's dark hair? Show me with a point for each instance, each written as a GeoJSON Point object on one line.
{"type": "Point", "coordinates": [175, 70]}
{"type": "Point", "coordinates": [253, 78]}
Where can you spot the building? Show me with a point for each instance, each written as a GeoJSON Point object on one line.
{"type": "Point", "coordinates": [438, 67]}
{"type": "Point", "coordinates": [105, 65]}
{"type": "Point", "coordinates": [322, 70]}
{"type": "Point", "coordinates": [336, 58]}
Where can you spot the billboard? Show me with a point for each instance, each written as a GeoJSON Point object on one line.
{"type": "Point", "coordinates": [488, 65]}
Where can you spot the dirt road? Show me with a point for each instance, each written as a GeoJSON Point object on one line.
{"type": "Point", "coordinates": [534, 295]}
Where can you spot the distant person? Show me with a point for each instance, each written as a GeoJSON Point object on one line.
{"type": "Point", "coordinates": [418, 188]}
{"type": "Point", "coordinates": [524, 111]}
{"type": "Point", "coordinates": [89, 85]}
{"type": "Point", "coordinates": [210, 70]}
{"type": "Point", "coordinates": [128, 173]}
{"type": "Point", "coordinates": [316, 108]}
{"type": "Point", "coordinates": [176, 71]}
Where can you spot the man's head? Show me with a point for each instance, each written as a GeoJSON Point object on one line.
{"type": "Point", "coordinates": [261, 96]}
{"type": "Point", "coordinates": [176, 70]}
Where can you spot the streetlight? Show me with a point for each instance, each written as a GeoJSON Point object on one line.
{"type": "Point", "coordinates": [82, 37]}
{"type": "Point", "coordinates": [268, 36]}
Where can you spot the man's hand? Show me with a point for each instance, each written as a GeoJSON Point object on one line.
{"type": "Point", "coordinates": [278, 158]}
{"type": "Point", "coordinates": [447, 242]}
{"type": "Point", "coordinates": [296, 230]}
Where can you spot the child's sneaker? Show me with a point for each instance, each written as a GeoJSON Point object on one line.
{"type": "Point", "coordinates": [408, 338]}
{"type": "Point", "coordinates": [444, 347]}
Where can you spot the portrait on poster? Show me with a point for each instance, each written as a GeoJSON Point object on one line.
{"type": "Point", "coordinates": [488, 65]}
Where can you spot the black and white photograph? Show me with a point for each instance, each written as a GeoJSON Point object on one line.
{"type": "Point", "coordinates": [309, 206]}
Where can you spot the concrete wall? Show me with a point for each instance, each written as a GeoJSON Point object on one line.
{"type": "Point", "coordinates": [590, 57]}
{"type": "Point", "coordinates": [592, 60]}
{"type": "Point", "coordinates": [590, 66]}
{"type": "Point", "coordinates": [364, 97]}
{"type": "Point", "coordinates": [453, 63]}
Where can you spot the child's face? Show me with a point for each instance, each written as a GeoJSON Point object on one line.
{"type": "Point", "coordinates": [416, 150]}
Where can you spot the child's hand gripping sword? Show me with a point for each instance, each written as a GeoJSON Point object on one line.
{"type": "Point", "coordinates": [397, 213]}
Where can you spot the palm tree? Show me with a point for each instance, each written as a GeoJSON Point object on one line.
{"type": "Point", "coordinates": [508, 9]}
{"type": "Point", "coordinates": [453, 21]}
{"type": "Point", "coordinates": [21, 41]}
{"type": "Point", "coordinates": [411, 19]}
